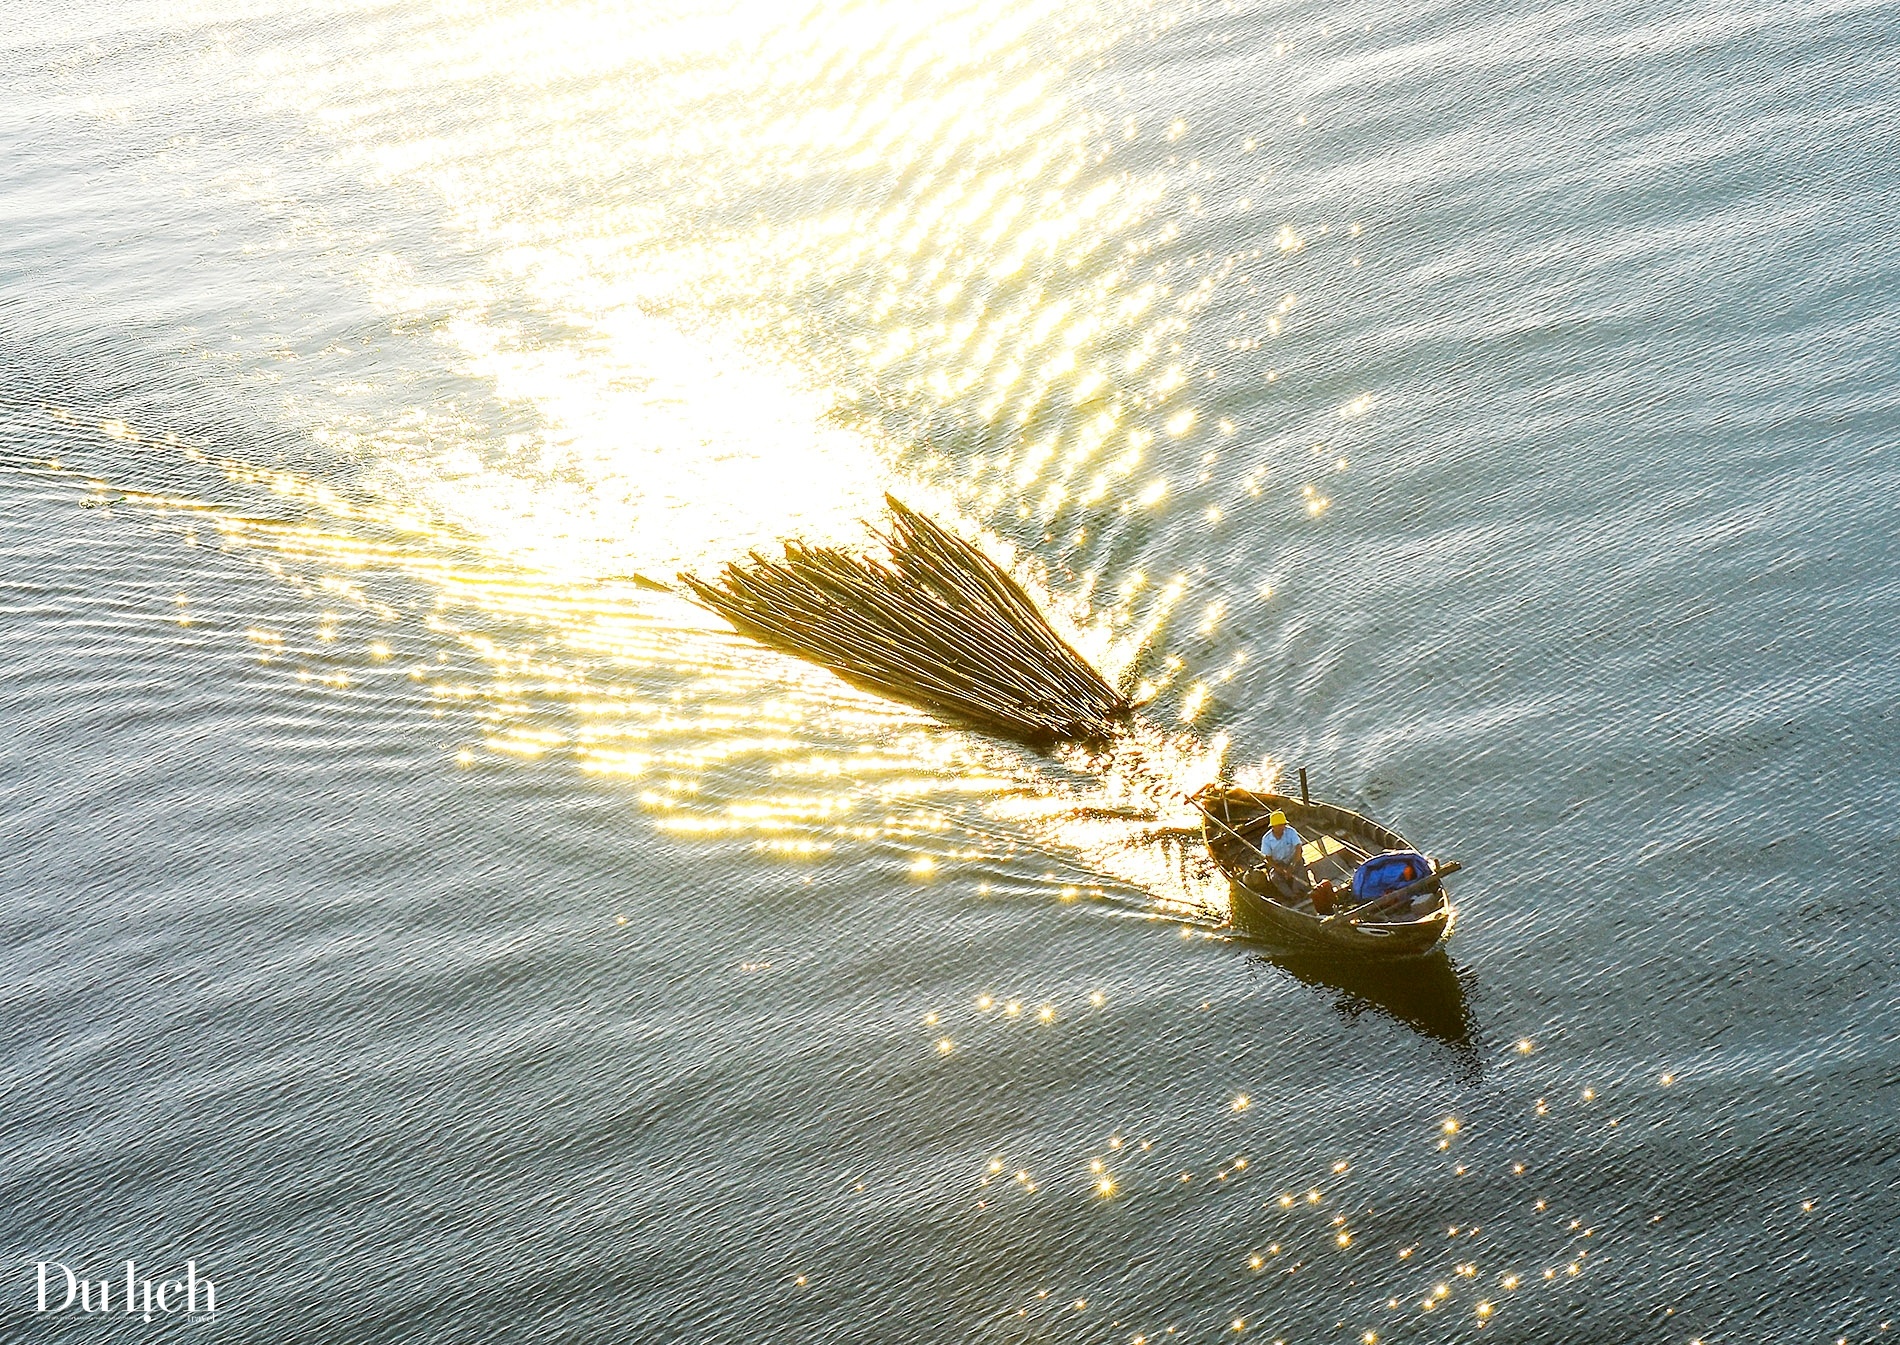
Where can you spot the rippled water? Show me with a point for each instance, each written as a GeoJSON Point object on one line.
{"type": "Point", "coordinates": [436, 929]}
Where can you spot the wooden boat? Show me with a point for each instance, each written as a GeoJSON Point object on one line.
{"type": "Point", "coordinates": [1337, 841]}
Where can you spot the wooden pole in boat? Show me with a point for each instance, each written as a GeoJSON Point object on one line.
{"type": "Point", "coordinates": [1305, 797]}
{"type": "Point", "coordinates": [1429, 883]}
{"type": "Point", "coordinates": [1192, 803]}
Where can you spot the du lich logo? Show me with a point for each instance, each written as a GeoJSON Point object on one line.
{"type": "Point", "coordinates": [60, 1290]}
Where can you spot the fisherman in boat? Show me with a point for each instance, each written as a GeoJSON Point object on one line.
{"type": "Point", "coordinates": [1282, 847]}
{"type": "Point", "coordinates": [1280, 843]}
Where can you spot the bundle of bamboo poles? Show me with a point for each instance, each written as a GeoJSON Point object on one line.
{"type": "Point", "coordinates": [936, 623]}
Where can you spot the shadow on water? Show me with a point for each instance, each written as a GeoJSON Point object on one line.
{"type": "Point", "coordinates": [1427, 995]}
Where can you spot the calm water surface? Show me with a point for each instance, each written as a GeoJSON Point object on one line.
{"type": "Point", "coordinates": [438, 931]}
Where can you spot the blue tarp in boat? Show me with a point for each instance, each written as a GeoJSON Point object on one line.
{"type": "Point", "coordinates": [1388, 871]}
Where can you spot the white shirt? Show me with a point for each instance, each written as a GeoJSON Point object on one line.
{"type": "Point", "coordinates": [1281, 849]}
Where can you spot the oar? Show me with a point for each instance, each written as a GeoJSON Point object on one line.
{"type": "Point", "coordinates": [1195, 805]}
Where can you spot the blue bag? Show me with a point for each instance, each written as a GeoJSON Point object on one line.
{"type": "Point", "coordinates": [1388, 871]}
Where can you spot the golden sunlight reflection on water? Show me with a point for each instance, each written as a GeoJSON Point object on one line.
{"type": "Point", "coordinates": [714, 738]}
{"type": "Point", "coordinates": [904, 201]}
{"type": "Point", "coordinates": [736, 268]}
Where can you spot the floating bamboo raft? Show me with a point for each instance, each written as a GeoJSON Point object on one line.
{"type": "Point", "coordinates": [936, 624]}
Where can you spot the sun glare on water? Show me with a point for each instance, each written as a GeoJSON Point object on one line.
{"type": "Point", "coordinates": [704, 278]}
{"type": "Point", "coordinates": [747, 234]}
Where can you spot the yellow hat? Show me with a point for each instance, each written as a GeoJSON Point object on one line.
{"type": "Point", "coordinates": [1278, 819]}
